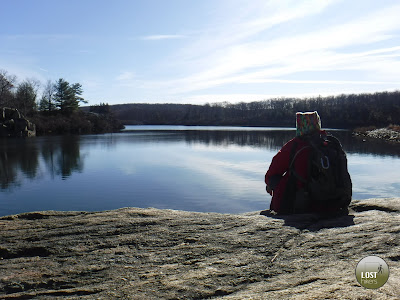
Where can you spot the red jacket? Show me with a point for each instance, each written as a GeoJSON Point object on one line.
{"type": "Point", "coordinates": [279, 169]}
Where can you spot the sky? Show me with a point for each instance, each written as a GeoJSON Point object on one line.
{"type": "Point", "coordinates": [203, 51]}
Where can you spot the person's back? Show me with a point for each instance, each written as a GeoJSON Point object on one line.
{"type": "Point", "coordinates": [293, 176]}
{"type": "Point", "coordinates": [277, 177]}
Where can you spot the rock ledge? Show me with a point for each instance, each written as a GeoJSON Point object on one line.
{"type": "Point", "coordinates": [134, 253]}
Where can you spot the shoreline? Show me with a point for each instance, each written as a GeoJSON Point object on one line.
{"type": "Point", "coordinates": [386, 134]}
{"type": "Point", "coordinates": [135, 253]}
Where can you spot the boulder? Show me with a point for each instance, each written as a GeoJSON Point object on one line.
{"type": "Point", "coordinates": [13, 123]}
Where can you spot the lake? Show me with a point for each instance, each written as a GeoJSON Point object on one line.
{"type": "Point", "coordinates": [205, 169]}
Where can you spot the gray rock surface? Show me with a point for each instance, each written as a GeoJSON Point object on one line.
{"type": "Point", "coordinates": [134, 253]}
{"type": "Point", "coordinates": [384, 133]}
{"type": "Point", "coordinates": [13, 123]}
{"type": "Point", "coordinates": [381, 133]}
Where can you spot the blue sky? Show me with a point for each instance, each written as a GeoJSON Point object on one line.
{"type": "Point", "coordinates": [198, 51]}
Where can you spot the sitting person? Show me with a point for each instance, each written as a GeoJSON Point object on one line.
{"type": "Point", "coordinates": [309, 174]}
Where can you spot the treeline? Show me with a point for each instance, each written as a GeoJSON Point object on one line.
{"type": "Point", "coordinates": [57, 108]}
{"type": "Point", "coordinates": [342, 111]}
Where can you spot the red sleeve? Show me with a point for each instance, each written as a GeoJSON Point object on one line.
{"type": "Point", "coordinates": [280, 162]}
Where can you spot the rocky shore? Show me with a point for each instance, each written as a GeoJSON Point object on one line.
{"type": "Point", "coordinates": [381, 133]}
{"type": "Point", "coordinates": [14, 124]}
{"type": "Point", "coordinates": [133, 253]}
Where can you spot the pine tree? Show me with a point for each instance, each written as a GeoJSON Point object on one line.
{"type": "Point", "coordinates": [67, 97]}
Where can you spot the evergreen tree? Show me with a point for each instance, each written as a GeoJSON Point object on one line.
{"type": "Point", "coordinates": [67, 97]}
{"type": "Point", "coordinates": [102, 108]}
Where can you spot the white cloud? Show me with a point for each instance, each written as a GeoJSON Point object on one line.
{"type": "Point", "coordinates": [125, 76]}
{"type": "Point", "coordinates": [240, 51]}
{"type": "Point", "coordinates": [228, 58]}
{"type": "Point", "coordinates": [252, 47]}
{"type": "Point", "coordinates": [246, 21]}
{"type": "Point", "coordinates": [162, 37]}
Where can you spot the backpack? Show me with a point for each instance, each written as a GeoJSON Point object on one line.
{"type": "Point", "coordinates": [328, 187]}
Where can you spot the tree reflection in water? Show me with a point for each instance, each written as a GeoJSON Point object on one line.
{"type": "Point", "coordinates": [20, 158]}
{"type": "Point", "coordinates": [60, 156]}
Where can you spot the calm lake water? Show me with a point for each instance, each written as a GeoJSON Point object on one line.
{"type": "Point", "coordinates": [207, 169]}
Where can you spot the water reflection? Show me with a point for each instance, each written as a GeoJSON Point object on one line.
{"type": "Point", "coordinates": [61, 155]}
{"type": "Point", "coordinates": [17, 157]}
{"type": "Point", "coordinates": [358, 145]}
{"type": "Point", "coordinates": [22, 158]}
{"type": "Point", "coordinates": [202, 170]}
{"type": "Point", "coordinates": [268, 139]}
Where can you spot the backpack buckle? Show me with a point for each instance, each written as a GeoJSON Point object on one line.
{"type": "Point", "coordinates": [325, 162]}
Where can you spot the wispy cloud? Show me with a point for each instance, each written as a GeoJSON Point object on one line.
{"type": "Point", "coordinates": [242, 25]}
{"type": "Point", "coordinates": [229, 56]}
{"type": "Point", "coordinates": [125, 76]}
{"type": "Point", "coordinates": [231, 50]}
{"type": "Point", "coordinates": [162, 37]}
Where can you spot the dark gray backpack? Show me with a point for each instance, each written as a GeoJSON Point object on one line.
{"type": "Point", "coordinates": [328, 187]}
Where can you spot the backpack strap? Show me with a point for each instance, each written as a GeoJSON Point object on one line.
{"type": "Point", "coordinates": [289, 195]}
{"type": "Point", "coordinates": [291, 166]}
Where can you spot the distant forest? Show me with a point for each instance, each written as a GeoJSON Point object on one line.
{"type": "Point", "coordinates": [57, 110]}
{"type": "Point", "coordinates": [342, 111]}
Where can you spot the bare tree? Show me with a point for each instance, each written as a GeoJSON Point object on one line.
{"type": "Point", "coordinates": [47, 100]}
{"type": "Point", "coordinates": [25, 96]}
{"type": "Point", "coordinates": [6, 86]}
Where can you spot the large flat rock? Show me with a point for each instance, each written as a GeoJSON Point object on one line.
{"type": "Point", "coordinates": [134, 253]}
